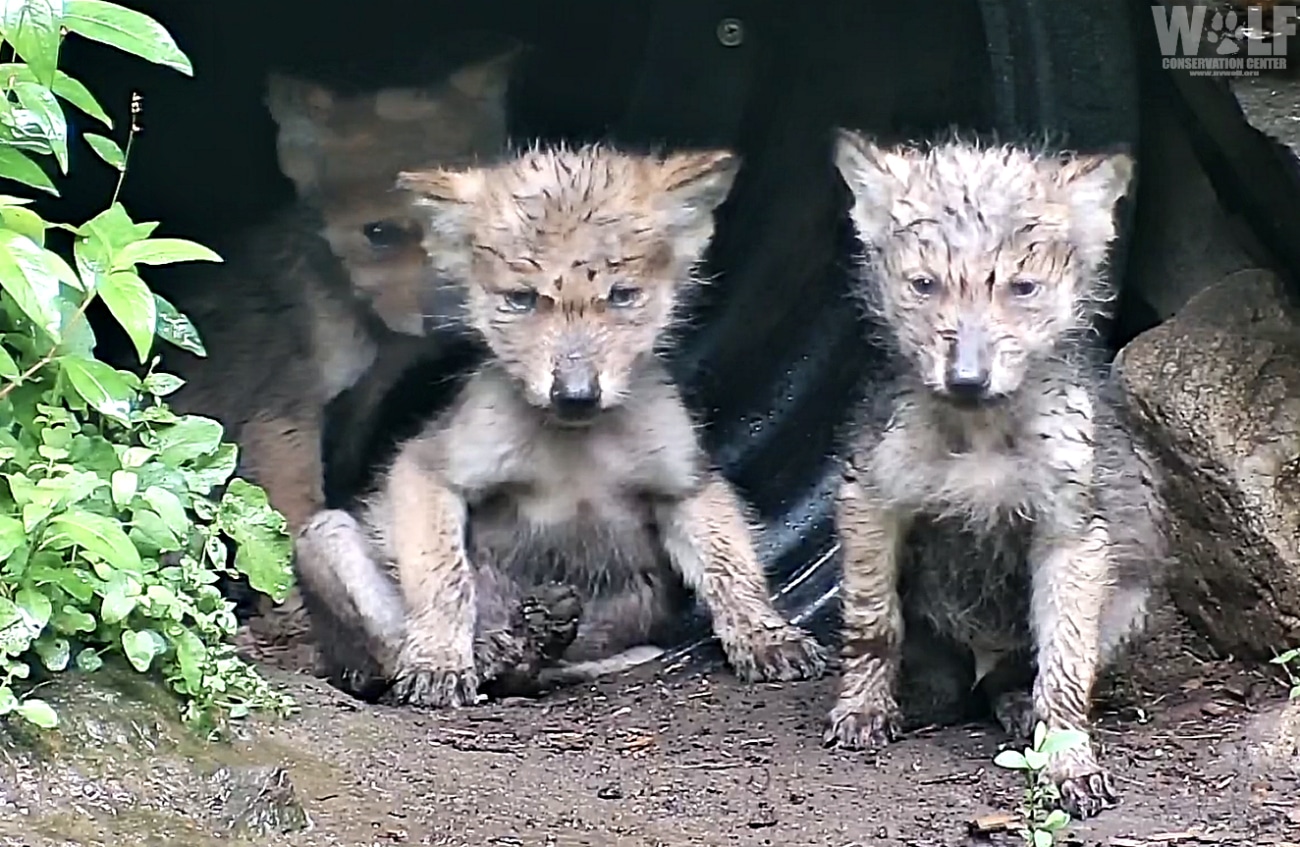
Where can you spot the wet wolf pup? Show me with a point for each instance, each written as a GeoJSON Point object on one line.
{"type": "Point", "coordinates": [993, 496]}
{"type": "Point", "coordinates": [569, 457]}
{"type": "Point", "coordinates": [333, 291]}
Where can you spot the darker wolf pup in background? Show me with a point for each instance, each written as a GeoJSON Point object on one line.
{"type": "Point", "coordinates": [569, 457]}
{"type": "Point", "coordinates": [993, 496]}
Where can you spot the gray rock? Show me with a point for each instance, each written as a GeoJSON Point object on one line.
{"type": "Point", "coordinates": [256, 801]}
{"type": "Point", "coordinates": [1217, 390]}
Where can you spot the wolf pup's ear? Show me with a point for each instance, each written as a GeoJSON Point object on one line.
{"type": "Point", "coordinates": [490, 78]}
{"type": "Point", "coordinates": [1090, 186]}
{"type": "Point", "coordinates": [875, 176]}
{"type": "Point", "coordinates": [301, 111]}
{"type": "Point", "coordinates": [1095, 181]}
{"type": "Point", "coordinates": [690, 186]}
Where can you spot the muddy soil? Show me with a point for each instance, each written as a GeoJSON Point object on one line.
{"type": "Point", "coordinates": [680, 756]}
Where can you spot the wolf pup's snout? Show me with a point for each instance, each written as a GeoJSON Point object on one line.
{"type": "Point", "coordinates": [575, 390]}
{"type": "Point", "coordinates": [969, 369]}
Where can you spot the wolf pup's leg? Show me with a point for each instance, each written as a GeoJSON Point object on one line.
{"type": "Point", "coordinates": [1071, 574]}
{"type": "Point", "coordinates": [866, 714]}
{"type": "Point", "coordinates": [709, 543]}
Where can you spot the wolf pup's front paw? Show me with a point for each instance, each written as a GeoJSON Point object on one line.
{"type": "Point", "coordinates": [433, 678]}
{"type": "Point", "coordinates": [870, 723]}
{"type": "Point", "coordinates": [1086, 788]}
{"type": "Point", "coordinates": [780, 654]}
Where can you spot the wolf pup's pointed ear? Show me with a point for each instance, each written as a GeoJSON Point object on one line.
{"type": "Point", "coordinates": [874, 175]}
{"type": "Point", "coordinates": [490, 78]}
{"type": "Point", "coordinates": [1090, 186]}
{"type": "Point", "coordinates": [698, 179]}
{"type": "Point", "coordinates": [691, 185]}
{"type": "Point", "coordinates": [301, 111]}
{"type": "Point", "coordinates": [1096, 181]}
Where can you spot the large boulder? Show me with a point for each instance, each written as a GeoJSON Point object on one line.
{"type": "Point", "coordinates": [1217, 390]}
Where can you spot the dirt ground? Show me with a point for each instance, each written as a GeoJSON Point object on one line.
{"type": "Point", "coordinates": [689, 756]}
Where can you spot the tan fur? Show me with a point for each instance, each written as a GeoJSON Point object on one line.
{"type": "Point", "coordinates": [994, 497]}
{"type": "Point", "coordinates": [290, 320]}
{"type": "Point", "coordinates": [569, 456]}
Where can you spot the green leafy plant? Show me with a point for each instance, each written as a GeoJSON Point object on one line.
{"type": "Point", "coordinates": [1043, 822]}
{"type": "Point", "coordinates": [114, 527]}
{"type": "Point", "coordinates": [1287, 661]}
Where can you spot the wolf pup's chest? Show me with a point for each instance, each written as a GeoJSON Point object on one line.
{"type": "Point", "coordinates": [977, 473]}
{"type": "Point", "coordinates": [590, 477]}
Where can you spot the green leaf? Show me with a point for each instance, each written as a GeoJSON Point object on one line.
{"type": "Point", "coordinates": [175, 328]}
{"type": "Point", "coordinates": [74, 581]}
{"type": "Point", "coordinates": [54, 653]}
{"type": "Point", "coordinates": [1040, 732]}
{"type": "Point", "coordinates": [107, 149]}
{"type": "Point", "coordinates": [169, 508]}
{"type": "Point", "coordinates": [38, 712]}
{"type": "Point", "coordinates": [114, 229]}
{"type": "Point", "coordinates": [45, 110]}
{"type": "Point", "coordinates": [25, 276]}
{"type": "Point", "coordinates": [64, 86]}
{"type": "Point", "coordinates": [1010, 759]}
{"type": "Point", "coordinates": [72, 619]}
{"type": "Point", "coordinates": [188, 439]}
{"type": "Point", "coordinates": [89, 661]}
{"type": "Point", "coordinates": [127, 30]}
{"type": "Point", "coordinates": [1059, 740]}
{"type": "Point", "coordinates": [164, 251]}
{"type": "Point", "coordinates": [8, 367]}
{"type": "Point", "coordinates": [18, 166]}
{"type": "Point", "coordinates": [210, 471]}
{"type": "Point", "coordinates": [99, 535]}
{"type": "Point", "coordinates": [12, 536]}
{"type": "Point", "coordinates": [1043, 838]}
{"type": "Point", "coordinates": [78, 336]}
{"type": "Point", "coordinates": [158, 384]}
{"type": "Point", "coordinates": [1056, 820]}
{"type": "Point", "coordinates": [32, 28]}
{"type": "Point", "coordinates": [102, 386]}
{"type": "Point", "coordinates": [116, 606]}
{"type": "Point", "coordinates": [263, 547]}
{"type": "Point", "coordinates": [132, 303]}
{"type": "Point", "coordinates": [8, 702]}
{"type": "Point", "coordinates": [139, 649]}
{"type": "Point", "coordinates": [25, 222]}
{"type": "Point", "coordinates": [124, 485]}
{"type": "Point", "coordinates": [1287, 657]}
{"type": "Point", "coordinates": [191, 655]}
{"type": "Point", "coordinates": [36, 606]}
{"type": "Point", "coordinates": [1035, 760]}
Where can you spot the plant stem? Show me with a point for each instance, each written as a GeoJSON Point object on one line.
{"type": "Point", "coordinates": [48, 357]}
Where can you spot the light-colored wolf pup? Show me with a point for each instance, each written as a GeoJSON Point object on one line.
{"type": "Point", "coordinates": [335, 289]}
{"type": "Point", "coordinates": [569, 457]}
{"type": "Point", "coordinates": [994, 494]}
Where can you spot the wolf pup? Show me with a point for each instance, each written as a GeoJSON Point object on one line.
{"type": "Point", "coordinates": [569, 457]}
{"type": "Point", "coordinates": [335, 287]}
{"type": "Point", "coordinates": [993, 493]}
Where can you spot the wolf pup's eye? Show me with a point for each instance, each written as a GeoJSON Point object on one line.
{"type": "Point", "coordinates": [521, 300]}
{"type": "Point", "coordinates": [1024, 287]}
{"type": "Point", "coordinates": [924, 284]}
{"type": "Point", "coordinates": [621, 296]}
{"type": "Point", "coordinates": [385, 234]}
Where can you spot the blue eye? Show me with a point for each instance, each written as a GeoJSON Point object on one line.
{"type": "Point", "coordinates": [623, 295]}
{"type": "Point", "coordinates": [521, 300]}
{"type": "Point", "coordinates": [924, 284]}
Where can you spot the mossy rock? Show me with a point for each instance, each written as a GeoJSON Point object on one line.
{"type": "Point", "coordinates": [121, 768]}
